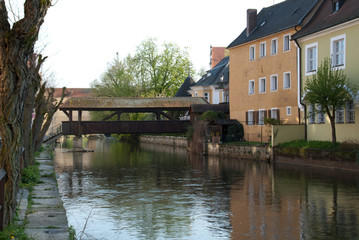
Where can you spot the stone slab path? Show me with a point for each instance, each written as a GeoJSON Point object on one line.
{"type": "Point", "coordinates": [46, 218]}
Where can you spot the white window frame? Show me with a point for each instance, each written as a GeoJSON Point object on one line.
{"type": "Point", "coordinates": [250, 117]}
{"type": "Point", "coordinates": [273, 112]}
{"type": "Point", "coordinates": [284, 43]}
{"type": "Point", "coordinates": [311, 114]}
{"type": "Point", "coordinates": [274, 83]}
{"type": "Point", "coordinates": [251, 90]}
{"type": "Point", "coordinates": [320, 115]}
{"type": "Point", "coordinates": [274, 50]}
{"type": "Point", "coordinates": [339, 115]}
{"type": "Point", "coordinates": [195, 94]}
{"type": "Point", "coordinates": [350, 112]}
{"type": "Point", "coordinates": [206, 97]}
{"type": "Point", "coordinates": [307, 60]}
{"type": "Point", "coordinates": [252, 57]}
{"type": "Point", "coordinates": [261, 114]}
{"type": "Point", "coordinates": [287, 86]}
{"type": "Point", "coordinates": [289, 110]}
{"type": "Point", "coordinates": [333, 55]}
{"type": "Point", "coordinates": [262, 87]}
{"type": "Point", "coordinates": [262, 49]}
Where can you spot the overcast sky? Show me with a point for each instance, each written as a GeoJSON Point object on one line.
{"type": "Point", "coordinates": [83, 36]}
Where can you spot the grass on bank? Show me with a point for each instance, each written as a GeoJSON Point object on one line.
{"type": "Point", "coordinates": [348, 145]}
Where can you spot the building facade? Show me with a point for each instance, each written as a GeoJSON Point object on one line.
{"type": "Point", "coordinates": [264, 72]}
{"type": "Point", "coordinates": [332, 32]}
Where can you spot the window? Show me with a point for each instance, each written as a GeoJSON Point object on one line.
{"type": "Point", "coordinates": [311, 114]}
{"type": "Point", "coordinates": [261, 115]}
{"type": "Point", "coordinates": [274, 113]}
{"type": "Point", "coordinates": [311, 58]}
{"type": "Point", "coordinates": [206, 96]}
{"type": "Point", "coordinates": [274, 83]}
{"type": "Point", "coordinates": [336, 5]}
{"type": "Point", "coordinates": [262, 85]}
{"type": "Point", "coordinates": [320, 115]}
{"type": "Point", "coordinates": [252, 52]}
{"type": "Point", "coordinates": [289, 111]}
{"type": "Point", "coordinates": [337, 51]}
{"type": "Point", "coordinates": [250, 117]}
{"type": "Point", "coordinates": [262, 52]}
{"type": "Point", "coordinates": [286, 80]}
{"type": "Point", "coordinates": [274, 46]}
{"type": "Point", "coordinates": [195, 94]}
{"type": "Point", "coordinates": [350, 114]}
{"type": "Point", "coordinates": [251, 87]}
{"type": "Point", "coordinates": [339, 115]}
{"type": "Point", "coordinates": [286, 43]}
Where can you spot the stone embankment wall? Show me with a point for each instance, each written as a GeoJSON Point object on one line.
{"type": "Point", "coordinates": [242, 152]}
{"type": "Point", "coordinates": [212, 149]}
{"type": "Point", "coordinates": [334, 159]}
{"type": "Point", "coordinates": [165, 140]}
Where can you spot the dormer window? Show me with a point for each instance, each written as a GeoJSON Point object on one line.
{"type": "Point", "coordinates": [336, 5]}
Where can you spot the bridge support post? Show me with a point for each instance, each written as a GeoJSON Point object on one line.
{"type": "Point", "coordinates": [77, 143]}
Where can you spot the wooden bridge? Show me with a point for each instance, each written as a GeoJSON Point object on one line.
{"type": "Point", "coordinates": [163, 108]}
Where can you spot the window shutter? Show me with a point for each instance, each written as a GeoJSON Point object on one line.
{"type": "Point", "coordinates": [246, 118]}
{"type": "Point", "coordinates": [269, 113]}
{"type": "Point", "coordinates": [256, 117]}
{"type": "Point", "coordinates": [265, 114]}
{"type": "Point", "coordinates": [278, 116]}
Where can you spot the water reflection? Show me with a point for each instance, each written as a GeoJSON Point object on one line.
{"type": "Point", "coordinates": [144, 191]}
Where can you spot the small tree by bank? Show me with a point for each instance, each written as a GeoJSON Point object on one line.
{"type": "Point", "coordinates": [330, 89]}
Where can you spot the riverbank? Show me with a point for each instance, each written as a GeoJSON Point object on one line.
{"type": "Point", "coordinates": [41, 210]}
{"type": "Point", "coordinates": [323, 158]}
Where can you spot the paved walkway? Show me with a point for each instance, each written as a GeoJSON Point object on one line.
{"type": "Point", "coordinates": [46, 218]}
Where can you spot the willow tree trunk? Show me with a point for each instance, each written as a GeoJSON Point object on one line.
{"type": "Point", "coordinates": [16, 48]}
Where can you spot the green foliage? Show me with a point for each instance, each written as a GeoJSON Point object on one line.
{"type": "Point", "coordinates": [189, 133]}
{"type": "Point", "coordinates": [331, 89]}
{"type": "Point", "coordinates": [210, 116]}
{"type": "Point", "coordinates": [31, 175]}
{"type": "Point", "coordinates": [310, 144]}
{"type": "Point", "coordinates": [235, 133]}
{"type": "Point", "coordinates": [151, 72]}
{"type": "Point", "coordinates": [14, 231]}
{"type": "Point", "coordinates": [271, 121]}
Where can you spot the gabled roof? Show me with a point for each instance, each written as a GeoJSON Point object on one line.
{"type": "Point", "coordinates": [324, 17]}
{"type": "Point", "coordinates": [213, 76]}
{"type": "Point", "coordinates": [96, 103]}
{"type": "Point", "coordinates": [276, 18]}
{"type": "Point", "coordinates": [186, 85]}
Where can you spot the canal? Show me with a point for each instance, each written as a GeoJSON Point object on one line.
{"type": "Point", "coordinates": [143, 191]}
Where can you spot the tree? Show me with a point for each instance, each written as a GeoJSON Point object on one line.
{"type": "Point", "coordinates": [159, 71]}
{"type": "Point", "coordinates": [16, 49]}
{"type": "Point", "coordinates": [330, 88]}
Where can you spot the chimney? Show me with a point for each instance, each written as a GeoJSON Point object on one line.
{"type": "Point", "coordinates": [251, 20]}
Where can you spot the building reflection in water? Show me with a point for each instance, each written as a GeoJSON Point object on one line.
{"type": "Point", "coordinates": [242, 199]}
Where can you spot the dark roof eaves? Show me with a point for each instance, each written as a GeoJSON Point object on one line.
{"type": "Point", "coordinates": [298, 35]}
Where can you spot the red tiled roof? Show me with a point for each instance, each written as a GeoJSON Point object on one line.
{"type": "Point", "coordinates": [74, 92]}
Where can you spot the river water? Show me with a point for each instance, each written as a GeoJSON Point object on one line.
{"type": "Point", "coordinates": [143, 191]}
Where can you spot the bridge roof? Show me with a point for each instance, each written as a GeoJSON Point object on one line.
{"type": "Point", "coordinates": [103, 104]}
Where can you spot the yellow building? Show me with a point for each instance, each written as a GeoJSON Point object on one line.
{"type": "Point", "coordinates": [263, 71]}
{"type": "Point", "coordinates": [333, 32]}
{"type": "Point", "coordinates": [212, 85]}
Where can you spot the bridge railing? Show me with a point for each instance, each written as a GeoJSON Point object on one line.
{"type": "Point", "coordinates": [2, 197]}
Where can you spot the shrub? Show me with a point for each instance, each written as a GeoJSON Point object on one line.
{"type": "Point", "coordinates": [30, 175]}
{"type": "Point", "coordinates": [235, 133]}
{"type": "Point", "coordinates": [210, 116]}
